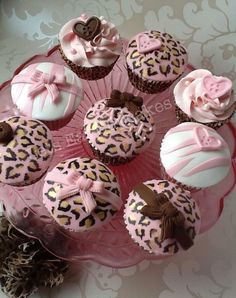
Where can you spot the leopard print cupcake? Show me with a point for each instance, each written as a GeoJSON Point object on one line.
{"type": "Point", "coordinates": [118, 128]}
{"type": "Point", "coordinates": [81, 194]}
{"type": "Point", "coordinates": [25, 150]}
{"type": "Point", "coordinates": [162, 217]}
{"type": "Point", "coordinates": [154, 61]}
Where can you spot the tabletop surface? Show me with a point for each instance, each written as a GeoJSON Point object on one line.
{"type": "Point", "coordinates": [208, 30]}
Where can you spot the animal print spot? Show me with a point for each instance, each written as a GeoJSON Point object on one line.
{"type": "Point", "coordinates": [136, 64]}
{"type": "Point", "coordinates": [104, 177]}
{"type": "Point", "coordinates": [166, 56]}
{"type": "Point", "coordinates": [90, 115]}
{"type": "Point", "coordinates": [10, 155]}
{"type": "Point", "coordinates": [87, 222]}
{"type": "Point", "coordinates": [21, 132]}
{"type": "Point", "coordinates": [191, 232]}
{"type": "Point", "coordinates": [33, 166]}
{"type": "Point", "coordinates": [101, 214]}
{"type": "Point", "coordinates": [150, 62]}
{"type": "Point", "coordinates": [133, 44]}
{"type": "Point", "coordinates": [106, 133]}
{"type": "Point", "coordinates": [111, 149]}
{"type": "Point", "coordinates": [78, 201]}
{"type": "Point", "coordinates": [144, 221]}
{"type": "Point", "coordinates": [101, 140]}
{"type": "Point", "coordinates": [33, 124]}
{"type": "Point", "coordinates": [101, 203]}
{"type": "Point", "coordinates": [92, 175]}
{"type": "Point", "coordinates": [165, 69]}
{"type": "Point", "coordinates": [74, 165]}
{"type": "Point", "coordinates": [140, 233]}
{"type": "Point", "coordinates": [12, 144]}
{"type": "Point", "coordinates": [22, 154]}
{"type": "Point", "coordinates": [64, 219]}
{"type": "Point", "coordinates": [13, 172]}
{"type": "Point", "coordinates": [51, 194]}
{"type": "Point", "coordinates": [25, 141]}
{"type": "Point", "coordinates": [134, 54]}
{"type": "Point", "coordinates": [188, 209]}
{"type": "Point", "coordinates": [176, 63]}
{"type": "Point", "coordinates": [64, 206]}
{"type": "Point", "coordinates": [125, 147]}
{"type": "Point", "coordinates": [132, 219]}
{"type": "Point", "coordinates": [93, 127]}
{"type": "Point", "coordinates": [76, 213]}
{"type": "Point", "coordinates": [42, 131]}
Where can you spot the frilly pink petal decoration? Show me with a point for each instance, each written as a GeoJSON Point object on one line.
{"type": "Point", "coordinates": [146, 44]}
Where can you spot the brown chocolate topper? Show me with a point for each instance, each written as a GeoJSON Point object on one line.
{"type": "Point", "coordinates": [125, 99]}
{"type": "Point", "coordinates": [159, 207]}
{"type": "Point", "coordinates": [89, 29]}
{"type": "Point", "coordinates": [6, 133]}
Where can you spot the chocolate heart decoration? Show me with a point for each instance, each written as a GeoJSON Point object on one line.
{"type": "Point", "coordinates": [89, 29]}
{"type": "Point", "coordinates": [6, 133]}
{"type": "Point", "coordinates": [216, 86]}
{"type": "Point", "coordinates": [205, 141]}
{"type": "Point", "coordinates": [146, 44]}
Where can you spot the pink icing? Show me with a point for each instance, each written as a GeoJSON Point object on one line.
{"type": "Point", "coordinates": [75, 183]}
{"type": "Point", "coordinates": [46, 84]}
{"type": "Point", "coordinates": [205, 97]}
{"type": "Point", "coordinates": [146, 44]}
{"type": "Point", "coordinates": [152, 227]}
{"type": "Point", "coordinates": [177, 167]}
{"type": "Point", "coordinates": [103, 50]}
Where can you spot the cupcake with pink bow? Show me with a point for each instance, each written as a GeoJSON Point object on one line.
{"type": "Point", "coordinates": [204, 98]}
{"type": "Point", "coordinates": [48, 92]}
{"type": "Point", "coordinates": [81, 194]}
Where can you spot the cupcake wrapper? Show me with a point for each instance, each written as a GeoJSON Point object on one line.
{"type": "Point", "coordinates": [182, 117]}
{"type": "Point", "coordinates": [88, 73]}
{"type": "Point", "coordinates": [146, 86]}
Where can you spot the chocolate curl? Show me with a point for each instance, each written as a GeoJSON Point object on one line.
{"type": "Point", "coordinates": [159, 207]}
{"type": "Point", "coordinates": [125, 99]}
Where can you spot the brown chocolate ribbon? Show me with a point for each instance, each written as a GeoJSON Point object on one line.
{"type": "Point", "coordinates": [125, 99]}
{"type": "Point", "coordinates": [159, 207]}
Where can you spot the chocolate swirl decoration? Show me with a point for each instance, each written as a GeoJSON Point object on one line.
{"type": "Point", "coordinates": [6, 133]}
{"type": "Point", "coordinates": [125, 99]}
{"type": "Point", "coordinates": [159, 207]}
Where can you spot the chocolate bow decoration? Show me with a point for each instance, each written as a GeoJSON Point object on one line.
{"type": "Point", "coordinates": [159, 207]}
{"type": "Point", "coordinates": [125, 99]}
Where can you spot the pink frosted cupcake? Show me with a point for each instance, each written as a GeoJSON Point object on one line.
{"type": "Point", "coordinates": [26, 151]}
{"type": "Point", "coordinates": [90, 46]}
{"type": "Point", "coordinates": [81, 194]}
{"type": "Point", "coordinates": [195, 156]}
{"type": "Point", "coordinates": [204, 98]}
{"type": "Point", "coordinates": [119, 128]}
{"type": "Point", "coordinates": [48, 92]}
{"type": "Point", "coordinates": [162, 217]}
{"type": "Point", "coordinates": [154, 61]}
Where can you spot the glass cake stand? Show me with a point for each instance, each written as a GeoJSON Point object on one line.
{"type": "Point", "coordinates": [110, 244]}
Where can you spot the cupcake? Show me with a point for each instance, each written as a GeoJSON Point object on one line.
{"type": "Point", "coordinates": [161, 217]}
{"type": "Point", "coordinates": [81, 194]}
{"type": "Point", "coordinates": [90, 46]}
{"type": "Point", "coordinates": [204, 98]}
{"type": "Point", "coordinates": [195, 155]}
{"type": "Point", "coordinates": [48, 92]}
{"type": "Point", "coordinates": [154, 61]}
{"type": "Point", "coordinates": [25, 150]}
{"type": "Point", "coordinates": [118, 128]}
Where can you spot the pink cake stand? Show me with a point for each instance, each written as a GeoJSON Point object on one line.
{"type": "Point", "coordinates": [109, 245]}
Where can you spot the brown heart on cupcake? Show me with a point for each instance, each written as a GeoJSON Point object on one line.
{"type": "Point", "coordinates": [89, 29]}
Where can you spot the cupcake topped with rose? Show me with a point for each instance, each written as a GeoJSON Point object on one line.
{"type": "Point", "coordinates": [119, 128]}
{"type": "Point", "coordinates": [205, 98]}
{"type": "Point", "coordinates": [90, 46]}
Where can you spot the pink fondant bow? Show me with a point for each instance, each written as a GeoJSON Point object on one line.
{"type": "Point", "coordinates": [75, 183]}
{"type": "Point", "coordinates": [46, 82]}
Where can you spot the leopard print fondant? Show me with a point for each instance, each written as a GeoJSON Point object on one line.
{"type": "Point", "coordinates": [71, 212]}
{"type": "Point", "coordinates": [146, 231]}
{"type": "Point", "coordinates": [155, 69]}
{"type": "Point", "coordinates": [26, 157]}
{"type": "Point", "coordinates": [116, 132]}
